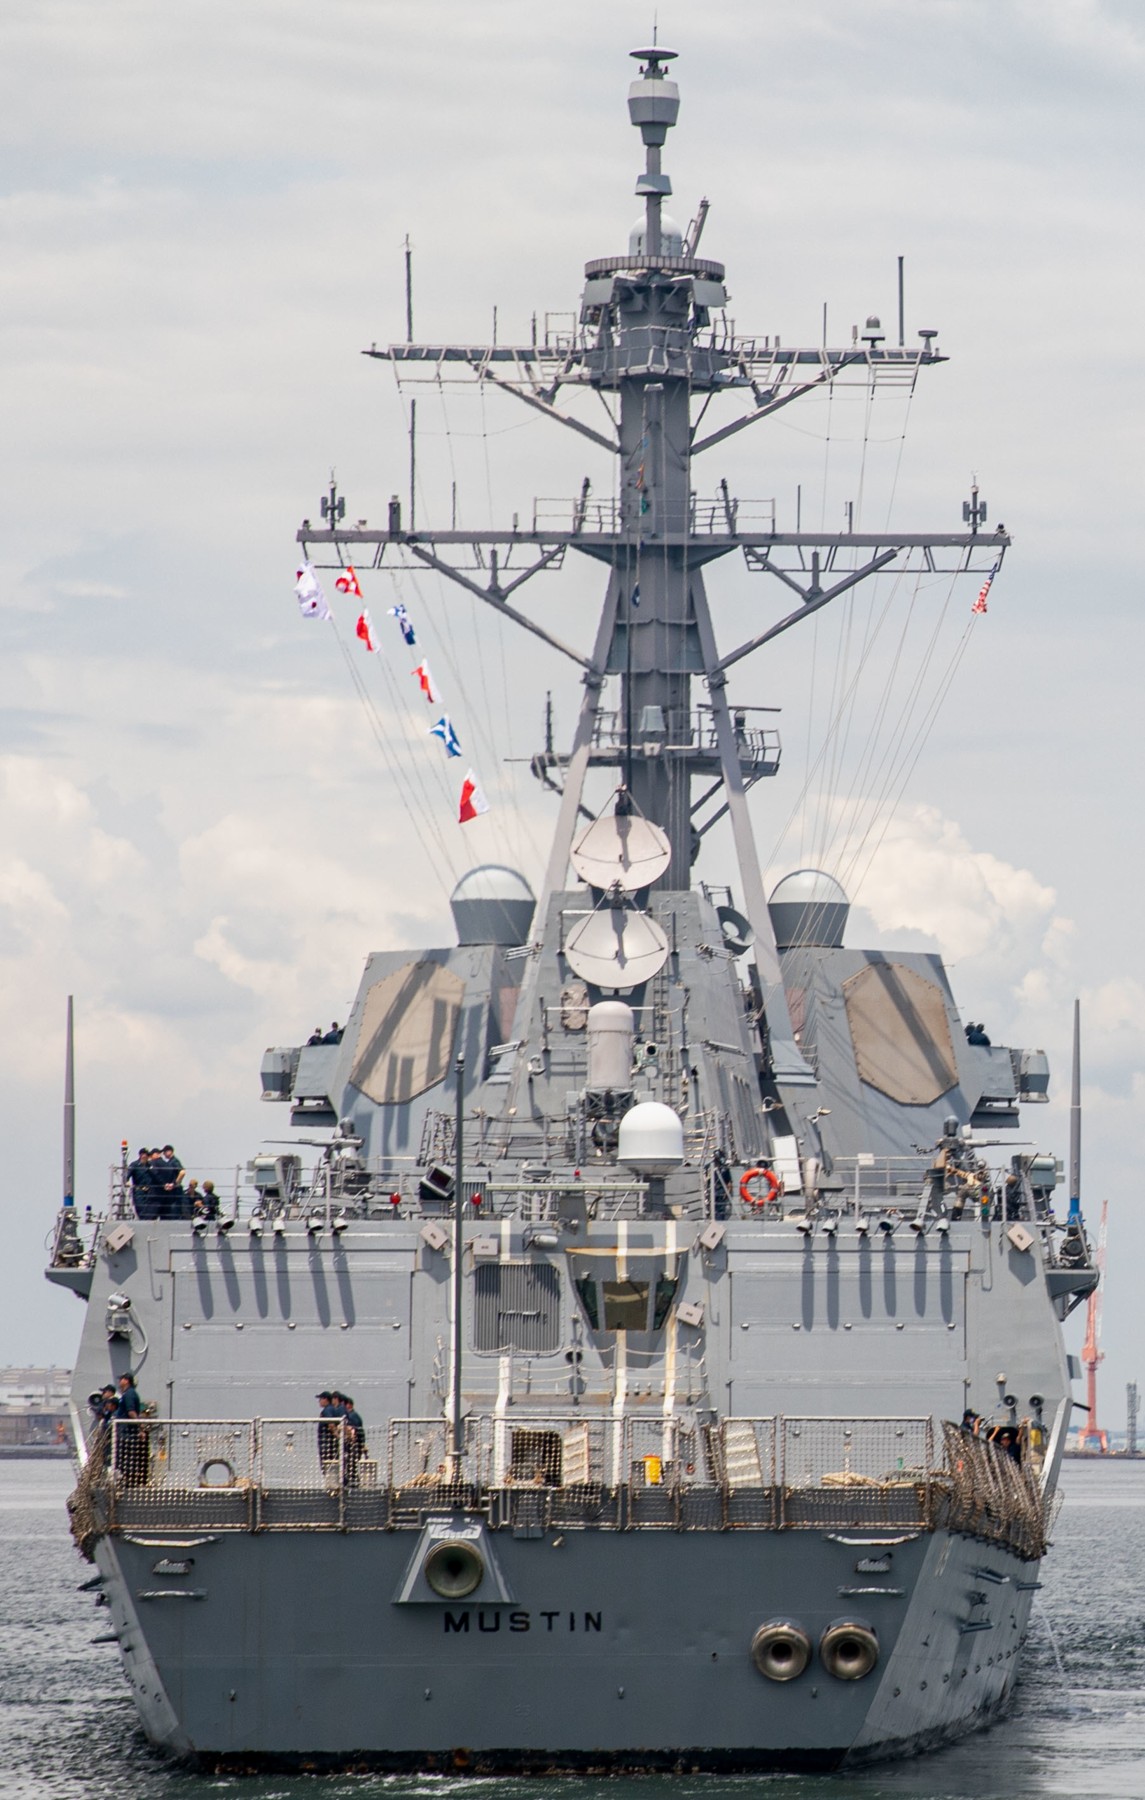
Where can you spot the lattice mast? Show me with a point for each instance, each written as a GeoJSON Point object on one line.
{"type": "Point", "coordinates": [1092, 1437]}
{"type": "Point", "coordinates": [654, 344]}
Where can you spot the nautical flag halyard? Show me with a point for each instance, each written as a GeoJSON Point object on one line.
{"type": "Point", "coordinates": [979, 605]}
{"type": "Point", "coordinates": [399, 613]}
{"type": "Point", "coordinates": [311, 599]}
{"type": "Point", "coordinates": [473, 801]}
{"type": "Point", "coordinates": [347, 582]}
{"type": "Point", "coordinates": [365, 630]}
{"type": "Point", "coordinates": [425, 680]}
{"type": "Point", "coordinates": [444, 730]}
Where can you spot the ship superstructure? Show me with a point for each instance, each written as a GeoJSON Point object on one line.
{"type": "Point", "coordinates": [662, 1236]}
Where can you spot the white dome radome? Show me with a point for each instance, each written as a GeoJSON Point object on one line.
{"type": "Point", "coordinates": [671, 237]}
{"type": "Point", "coordinates": [651, 1139]}
{"type": "Point", "coordinates": [492, 904]}
{"type": "Point", "coordinates": [808, 907]}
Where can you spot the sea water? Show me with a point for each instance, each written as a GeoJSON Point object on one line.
{"type": "Point", "coordinates": [1077, 1728]}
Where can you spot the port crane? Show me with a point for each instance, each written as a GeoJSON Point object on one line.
{"type": "Point", "coordinates": [1092, 1438]}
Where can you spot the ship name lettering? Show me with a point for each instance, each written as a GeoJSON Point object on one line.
{"type": "Point", "coordinates": [489, 1620]}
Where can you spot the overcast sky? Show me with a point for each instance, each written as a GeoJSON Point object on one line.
{"type": "Point", "coordinates": [202, 212]}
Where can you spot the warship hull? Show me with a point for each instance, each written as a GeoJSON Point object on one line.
{"type": "Point", "coordinates": [295, 1653]}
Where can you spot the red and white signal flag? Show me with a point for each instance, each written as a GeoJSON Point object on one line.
{"type": "Point", "coordinates": [425, 681]}
{"type": "Point", "coordinates": [365, 630]}
{"type": "Point", "coordinates": [347, 582]}
{"type": "Point", "coordinates": [473, 801]}
{"type": "Point", "coordinates": [979, 605]}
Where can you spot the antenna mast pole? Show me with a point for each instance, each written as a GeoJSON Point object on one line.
{"type": "Point", "coordinates": [1092, 1436]}
{"type": "Point", "coordinates": [455, 1444]}
{"type": "Point", "coordinates": [70, 1112]}
{"type": "Point", "coordinates": [1075, 1119]}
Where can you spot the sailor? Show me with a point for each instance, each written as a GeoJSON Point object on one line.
{"type": "Point", "coordinates": [334, 1035]}
{"type": "Point", "coordinates": [206, 1203]}
{"type": "Point", "coordinates": [143, 1196]}
{"type": "Point", "coordinates": [102, 1407]}
{"type": "Point", "coordinates": [329, 1434]}
{"type": "Point", "coordinates": [315, 1037]}
{"type": "Point", "coordinates": [354, 1434]}
{"type": "Point", "coordinates": [976, 1034]}
{"type": "Point", "coordinates": [167, 1174]}
{"type": "Point", "coordinates": [1005, 1438]}
{"type": "Point", "coordinates": [972, 1422]}
{"type": "Point", "coordinates": [130, 1440]}
{"type": "Point", "coordinates": [721, 1186]}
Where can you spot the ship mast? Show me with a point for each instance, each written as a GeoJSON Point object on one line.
{"type": "Point", "coordinates": [654, 343]}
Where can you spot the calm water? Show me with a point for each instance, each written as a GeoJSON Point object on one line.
{"type": "Point", "coordinates": [67, 1728]}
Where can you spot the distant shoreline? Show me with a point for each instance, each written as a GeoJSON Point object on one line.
{"type": "Point", "coordinates": [35, 1452]}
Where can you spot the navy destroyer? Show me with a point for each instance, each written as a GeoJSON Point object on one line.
{"type": "Point", "coordinates": [706, 1327]}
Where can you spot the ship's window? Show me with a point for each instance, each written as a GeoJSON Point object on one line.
{"type": "Point", "coordinates": [590, 1300]}
{"type": "Point", "coordinates": [516, 1306]}
{"type": "Point", "coordinates": [625, 1305]}
{"type": "Point", "coordinates": [665, 1294]}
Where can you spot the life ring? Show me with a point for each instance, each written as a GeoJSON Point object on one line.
{"type": "Point", "coordinates": [774, 1187]}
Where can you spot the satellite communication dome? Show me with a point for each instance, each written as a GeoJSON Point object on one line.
{"type": "Point", "coordinates": [808, 907]}
{"type": "Point", "coordinates": [651, 1139]}
{"type": "Point", "coordinates": [671, 237]}
{"type": "Point", "coordinates": [493, 905]}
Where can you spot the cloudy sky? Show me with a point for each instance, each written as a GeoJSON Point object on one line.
{"type": "Point", "coordinates": [202, 215]}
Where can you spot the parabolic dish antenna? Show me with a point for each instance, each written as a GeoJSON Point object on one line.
{"type": "Point", "coordinates": [616, 949]}
{"type": "Point", "coordinates": [621, 849]}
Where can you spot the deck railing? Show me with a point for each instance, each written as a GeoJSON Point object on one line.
{"type": "Point", "coordinates": [559, 1471]}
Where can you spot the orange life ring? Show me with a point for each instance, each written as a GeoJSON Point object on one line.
{"type": "Point", "coordinates": [774, 1187]}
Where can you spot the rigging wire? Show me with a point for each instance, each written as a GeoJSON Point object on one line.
{"type": "Point", "coordinates": [424, 825]}
{"type": "Point", "coordinates": [921, 739]}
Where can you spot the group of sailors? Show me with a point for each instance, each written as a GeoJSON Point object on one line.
{"type": "Point", "coordinates": [159, 1189]}
{"type": "Point", "coordinates": [341, 1433]}
{"type": "Point", "coordinates": [1006, 1438]}
{"type": "Point", "coordinates": [120, 1404]}
{"type": "Point", "coordinates": [341, 1437]}
{"type": "Point", "coordinates": [318, 1036]}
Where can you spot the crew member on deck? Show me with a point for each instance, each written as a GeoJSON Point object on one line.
{"type": "Point", "coordinates": [143, 1196]}
{"type": "Point", "coordinates": [130, 1437]}
{"type": "Point", "coordinates": [354, 1434]}
{"type": "Point", "coordinates": [329, 1435]}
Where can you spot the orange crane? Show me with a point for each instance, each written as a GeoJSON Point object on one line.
{"type": "Point", "coordinates": [1092, 1438]}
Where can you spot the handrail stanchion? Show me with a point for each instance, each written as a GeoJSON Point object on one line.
{"type": "Point", "coordinates": [455, 1440]}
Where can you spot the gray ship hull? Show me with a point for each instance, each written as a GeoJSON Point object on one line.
{"type": "Point", "coordinates": [293, 1651]}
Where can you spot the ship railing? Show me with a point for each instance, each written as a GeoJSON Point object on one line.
{"type": "Point", "coordinates": [873, 1471]}
{"type": "Point", "coordinates": [759, 746]}
{"type": "Point", "coordinates": [717, 515]}
{"type": "Point", "coordinates": [992, 1495]}
{"type": "Point", "coordinates": [541, 1471]}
